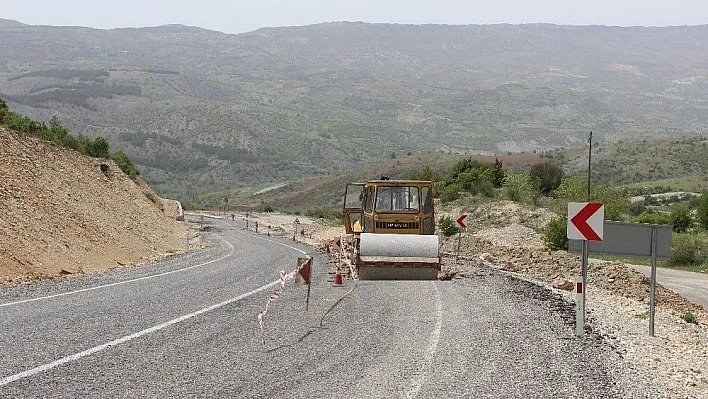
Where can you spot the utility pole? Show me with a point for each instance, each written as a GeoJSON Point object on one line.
{"type": "Point", "coordinates": [589, 163]}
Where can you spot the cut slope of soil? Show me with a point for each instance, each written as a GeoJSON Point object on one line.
{"type": "Point", "coordinates": [62, 212]}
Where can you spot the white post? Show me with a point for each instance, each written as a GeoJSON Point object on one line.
{"type": "Point", "coordinates": [580, 306]}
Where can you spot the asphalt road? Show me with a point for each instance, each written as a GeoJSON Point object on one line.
{"type": "Point", "coordinates": [692, 286]}
{"type": "Point", "coordinates": [187, 327]}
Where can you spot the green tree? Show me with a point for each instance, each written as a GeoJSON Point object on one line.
{"type": "Point", "coordinates": [702, 210]}
{"type": "Point", "coordinates": [546, 177]}
{"type": "Point", "coordinates": [574, 189]}
{"type": "Point", "coordinates": [426, 174]}
{"type": "Point", "coordinates": [55, 132]}
{"type": "Point", "coordinates": [498, 173]}
{"type": "Point", "coordinates": [680, 218]}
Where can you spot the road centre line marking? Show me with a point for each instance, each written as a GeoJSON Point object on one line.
{"type": "Point", "coordinates": [231, 252]}
{"type": "Point", "coordinates": [417, 383]}
{"type": "Point", "coordinates": [275, 242]}
{"type": "Point", "coordinates": [95, 349]}
{"type": "Point", "coordinates": [253, 235]}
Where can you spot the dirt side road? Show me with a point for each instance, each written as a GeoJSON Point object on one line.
{"type": "Point", "coordinates": [692, 286]}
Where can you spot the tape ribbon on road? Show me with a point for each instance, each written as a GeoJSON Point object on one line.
{"type": "Point", "coordinates": [284, 277]}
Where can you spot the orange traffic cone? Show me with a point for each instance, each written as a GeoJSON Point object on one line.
{"type": "Point", "coordinates": [337, 280]}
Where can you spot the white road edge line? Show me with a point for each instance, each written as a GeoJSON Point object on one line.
{"type": "Point", "coordinates": [231, 252]}
{"type": "Point", "coordinates": [419, 380]}
{"type": "Point", "coordinates": [127, 338]}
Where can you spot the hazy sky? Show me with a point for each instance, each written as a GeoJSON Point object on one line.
{"type": "Point", "coordinates": [241, 16]}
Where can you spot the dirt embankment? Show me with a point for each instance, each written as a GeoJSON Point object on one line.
{"type": "Point", "coordinates": [62, 213]}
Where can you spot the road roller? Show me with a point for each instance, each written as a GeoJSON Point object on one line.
{"type": "Point", "coordinates": [393, 224]}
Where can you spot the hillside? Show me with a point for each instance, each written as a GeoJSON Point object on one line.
{"type": "Point", "coordinates": [202, 111]}
{"type": "Point", "coordinates": [63, 213]}
{"type": "Point", "coordinates": [679, 163]}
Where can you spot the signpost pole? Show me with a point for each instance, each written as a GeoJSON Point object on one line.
{"type": "Point", "coordinates": [459, 238]}
{"type": "Point", "coordinates": [584, 281]}
{"type": "Point", "coordinates": [652, 294]}
{"type": "Point", "coordinates": [460, 226]}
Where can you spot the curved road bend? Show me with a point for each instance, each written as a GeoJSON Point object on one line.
{"type": "Point", "coordinates": [187, 328]}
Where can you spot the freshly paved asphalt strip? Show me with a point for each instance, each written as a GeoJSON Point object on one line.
{"type": "Point", "coordinates": [191, 331]}
{"type": "Point", "coordinates": [692, 286]}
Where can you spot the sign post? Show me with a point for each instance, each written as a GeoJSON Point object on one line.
{"type": "Point", "coordinates": [652, 295]}
{"type": "Point", "coordinates": [585, 222]}
{"type": "Point", "coordinates": [632, 239]}
{"type": "Point", "coordinates": [460, 226]}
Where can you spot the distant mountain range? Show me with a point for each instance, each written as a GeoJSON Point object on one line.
{"type": "Point", "coordinates": [201, 111]}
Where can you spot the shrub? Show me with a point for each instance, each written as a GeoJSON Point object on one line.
{"type": "Point", "coordinates": [689, 317]}
{"type": "Point", "coordinates": [680, 218]}
{"type": "Point", "coordinates": [555, 235]}
{"type": "Point", "coordinates": [125, 164]}
{"type": "Point", "coordinates": [97, 148]}
{"type": "Point", "coordinates": [518, 188]}
{"type": "Point", "coordinates": [450, 192]}
{"type": "Point", "coordinates": [688, 249]}
{"type": "Point", "coordinates": [652, 217]}
{"type": "Point", "coordinates": [447, 226]}
{"type": "Point", "coordinates": [636, 208]}
{"type": "Point", "coordinates": [498, 173]}
{"type": "Point", "coordinates": [702, 211]}
{"type": "Point", "coordinates": [546, 177]}
{"type": "Point", "coordinates": [486, 188]}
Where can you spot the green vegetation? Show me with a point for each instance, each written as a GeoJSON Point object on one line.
{"type": "Point", "coordinates": [689, 249]}
{"type": "Point", "coordinates": [57, 133]}
{"type": "Point", "coordinates": [473, 177]}
{"type": "Point", "coordinates": [689, 317]}
{"type": "Point", "coordinates": [125, 164]}
{"type": "Point", "coordinates": [519, 188]}
{"type": "Point", "coordinates": [324, 213]}
{"type": "Point", "coordinates": [702, 211]}
{"type": "Point", "coordinates": [546, 177]}
{"type": "Point", "coordinates": [447, 226]}
{"type": "Point", "coordinates": [426, 174]}
{"type": "Point", "coordinates": [555, 235]}
{"type": "Point", "coordinates": [680, 218]}
{"type": "Point", "coordinates": [653, 217]}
